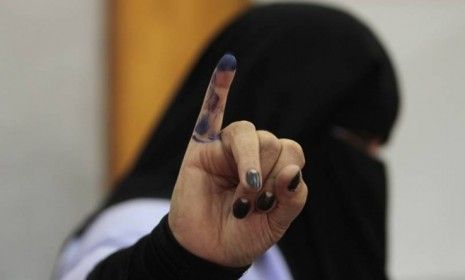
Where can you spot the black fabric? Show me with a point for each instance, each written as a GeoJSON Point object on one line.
{"type": "Point", "coordinates": [302, 69]}
{"type": "Point", "coordinates": [159, 256]}
{"type": "Point", "coordinates": [340, 234]}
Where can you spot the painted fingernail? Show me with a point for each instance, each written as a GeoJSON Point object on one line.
{"type": "Point", "coordinates": [227, 63]}
{"type": "Point", "coordinates": [253, 179]}
{"type": "Point", "coordinates": [241, 207]}
{"type": "Point", "coordinates": [294, 183]}
{"type": "Point", "coordinates": [265, 201]}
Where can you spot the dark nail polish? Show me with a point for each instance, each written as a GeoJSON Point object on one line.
{"type": "Point", "coordinates": [227, 63]}
{"type": "Point", "coordinates": [253, 179]}
{"type": "Point", "coordinates": [294, 183]}
{"type": "Point", "coordinates": [265, 201]}
{"type": "Point", "coordinates": [241, 207]}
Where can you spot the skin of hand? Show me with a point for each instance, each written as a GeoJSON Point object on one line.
{"type": "Point", "coordinates": [238, 189]}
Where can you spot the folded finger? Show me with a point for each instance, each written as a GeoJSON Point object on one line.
{"type": "Point", "coordinates": [240, 140]}
{"type": "Point", "coordinates": [291, 194]}
{"type": "Point", "coordinates": [291, 154]}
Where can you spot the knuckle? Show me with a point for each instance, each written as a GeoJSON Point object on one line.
{"type": "Point", "coordinates": [240, 125]}
{"type": "Point", "coordinates": [294, 150]}
{"type": "Point", "coordinates": [234, 128]}
{"type": "Point", "coordinates": [268, 141]}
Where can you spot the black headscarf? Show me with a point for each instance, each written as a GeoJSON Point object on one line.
{"type": "Point", "coordinates": [302, 70]}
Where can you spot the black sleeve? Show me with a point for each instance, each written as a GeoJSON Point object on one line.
{"type": "Point", "coordinates": [159, 256]}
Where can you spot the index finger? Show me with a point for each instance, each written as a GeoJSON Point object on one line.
{"type": "Point", "coordinates": [210, 119]}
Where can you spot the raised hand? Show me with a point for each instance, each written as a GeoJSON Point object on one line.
{"type": "Point", "coordinates": [238, 189]}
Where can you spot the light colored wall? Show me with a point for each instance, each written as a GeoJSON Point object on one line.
{"type": "Point", "coordinates": [52, 130]}
{"type": "Point", "coordinates": [426, 159]}
{"type": "Point", "coordinates": [51, 127]}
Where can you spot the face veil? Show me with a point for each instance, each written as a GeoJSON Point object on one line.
{"type": "Point", "coordinates": [302, 70]}
{"type": "Point", "coordinates": [340, 234]}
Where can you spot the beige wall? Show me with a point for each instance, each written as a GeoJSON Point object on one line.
{"type": "Point", "coordinates": [51, 127]}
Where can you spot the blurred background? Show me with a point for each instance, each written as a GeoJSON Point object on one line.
{"type": "Point", "coordinates": [82, 82]}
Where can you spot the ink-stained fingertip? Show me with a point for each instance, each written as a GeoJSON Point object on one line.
{"type": "Point", "coordinates": [227, 63]}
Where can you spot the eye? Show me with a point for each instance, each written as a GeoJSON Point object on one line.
{"type": "Point", "coordinates": [363, 141]}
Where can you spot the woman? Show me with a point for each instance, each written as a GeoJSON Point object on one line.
{"type": "Point", "coordinates": [307, 73]}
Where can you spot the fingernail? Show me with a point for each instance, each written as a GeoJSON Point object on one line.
{"type": "Point", "coordinates": [241, 207]}
{"type": "Point", "coordinates": [294, 183]}
{"type": "Point", "coordinates": [227, 63]}
{"type": "Point", "coordinates": [265, 201]}
{"type": "Point", "coordinates": [253, 179]}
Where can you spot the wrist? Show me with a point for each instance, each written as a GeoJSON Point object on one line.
{"type": "Point", "coordinates": [190, 264]}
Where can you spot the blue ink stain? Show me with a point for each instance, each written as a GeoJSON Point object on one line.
{"type": "Point", "coordinates": [214, 137]}
{"type": "Point", "coordinates": [212, 101]}
{"type": "Point", "coordinates": [209, 140]}
{"type": "Point", "coordinates": [197, 139]}
{"type": "Point", "coordinates": [202, 125]}
{"type": "Point", "coordinates": [227, 63]}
